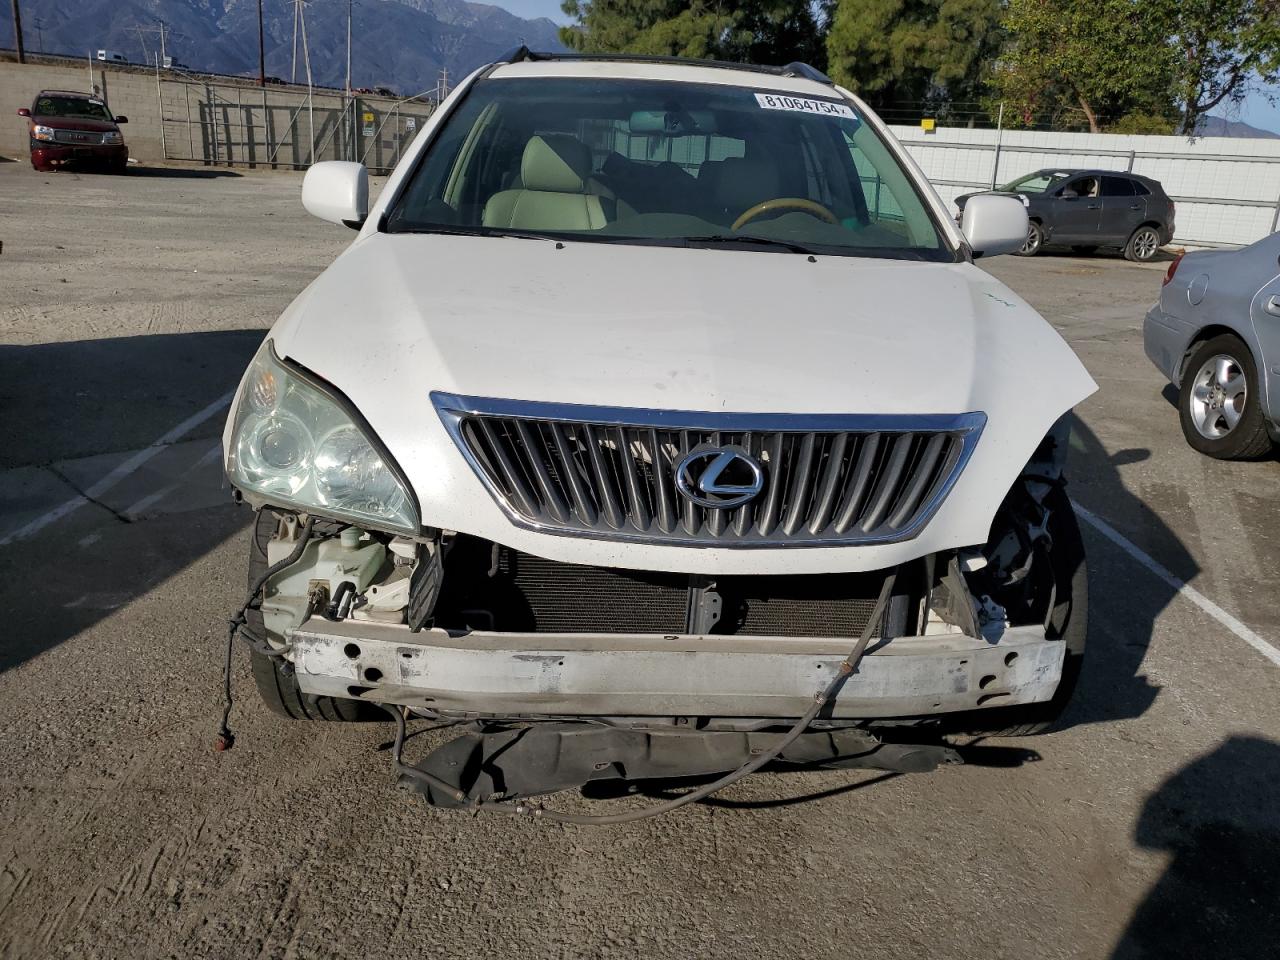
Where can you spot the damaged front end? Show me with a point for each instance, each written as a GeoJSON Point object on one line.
{"type": "Point", "coordinates": [564, 675]}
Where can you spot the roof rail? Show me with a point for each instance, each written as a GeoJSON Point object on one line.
{"type": "Point", "coordinates": [522, 53]}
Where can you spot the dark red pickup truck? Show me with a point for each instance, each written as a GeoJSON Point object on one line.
{"type": "Point", "coordinates": [67, 126]}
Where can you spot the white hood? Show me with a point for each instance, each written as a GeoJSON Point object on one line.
{"type": "Point", "coordinates": [703, 330]}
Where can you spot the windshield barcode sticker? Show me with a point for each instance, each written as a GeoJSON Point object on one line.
{"type": "Point", "coordinates": [823, 108]}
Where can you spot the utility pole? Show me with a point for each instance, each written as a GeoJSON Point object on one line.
{"type": "Point", "coordinates": [306, 59]}
{"type": "Point", "coordinates": [262, 63]}
{"type": "Point", "coordinates": [350, 104]}
{"type": "Point", "coordinates": [297, 9]}
{"type": "Point", "coordinates": [17, 33]}
{"type": "Point", "coordinates": [163, 55]}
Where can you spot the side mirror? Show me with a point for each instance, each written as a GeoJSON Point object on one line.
{"type": "Point", "coordinates": [994, 225]}
{"type": "Point", "coordinates": [24, 112]}
{"type": "Point", "coordinates": [122, 119]}
{"type": "Point", "coordinates": [338, 191]}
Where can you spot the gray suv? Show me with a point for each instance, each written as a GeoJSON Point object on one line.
{"type": "Point", "coordinates": [1088, 209]}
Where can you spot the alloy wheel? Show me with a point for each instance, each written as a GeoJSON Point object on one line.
{"type": "Point", "coordinates": [1145, 244]}
{"type": "Point", "coordinates": [1032, 243]}
{"type": "Point", "coordinates": [1218, 397]}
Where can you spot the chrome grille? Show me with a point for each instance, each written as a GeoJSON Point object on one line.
{"type": "Point", "coordinates": [610, 472]}
{"type": "Point", "coordinates": [85, 138]}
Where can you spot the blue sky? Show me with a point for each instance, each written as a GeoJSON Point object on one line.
{"type": "Point", "coordinates": [533, 8]}
{"type": "Point", "coordinates": [1255, 110]}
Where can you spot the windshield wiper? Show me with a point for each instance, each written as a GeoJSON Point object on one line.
{"type": "Point", "coordinates": [727, 239]}
{"type": "Point", "coordinates": [467, 231]}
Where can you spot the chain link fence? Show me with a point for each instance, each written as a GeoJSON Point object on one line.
{"type": "Point", "coordinates": [234, 125]}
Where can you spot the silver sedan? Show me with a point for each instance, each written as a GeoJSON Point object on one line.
{"type": "Point", "coordinates": [1215, 333]}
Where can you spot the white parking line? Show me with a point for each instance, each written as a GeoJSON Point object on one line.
{"type": "Point", "coordinates": [121, 471]}
{"type": "Point", "coordinates": [1181, 586]}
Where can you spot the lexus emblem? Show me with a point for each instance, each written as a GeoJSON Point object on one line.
{"type": "Point", "coordinates": [719, 478]}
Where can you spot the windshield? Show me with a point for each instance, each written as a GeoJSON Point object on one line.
{"type": "Point", "coordinates": [630, 161]}
{"type": "Point", "coordinates": [1037, 182]}
{"type": "Point", "coordinates": [78, 108]}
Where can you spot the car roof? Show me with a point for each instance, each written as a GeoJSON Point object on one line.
{"type": "Point", "coordinates": [796, 78]}
{"type": "Point", "coordinates": [1097, 171]}
{"type": "Point", "coordinates": [67, 93]}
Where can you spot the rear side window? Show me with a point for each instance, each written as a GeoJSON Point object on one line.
{"type": "Point", "coordinates": [1117, 187]}
{"type": "Point", "coordinates": [1140, 188]}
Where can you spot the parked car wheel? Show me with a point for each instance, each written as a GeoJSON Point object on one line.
{"type": "Point", "coordinates": [1035, 240]}
{"type": "Point", "coordinates": [1143, 245]}
{"type": "Point", "coordinates": [1219, 403]}
{"type": "Point", "coordinates": [274, 677]}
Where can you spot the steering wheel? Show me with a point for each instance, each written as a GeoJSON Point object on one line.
{"type": "Point", "coordinates": [810, 207]}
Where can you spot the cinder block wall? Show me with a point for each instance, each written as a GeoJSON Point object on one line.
{"type": "Point", "coordinates": [174, 118]}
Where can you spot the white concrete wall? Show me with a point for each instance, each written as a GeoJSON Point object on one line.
{"type": "Point", "coordinates": [1227, 189]}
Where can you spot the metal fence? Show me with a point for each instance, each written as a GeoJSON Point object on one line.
{"type": "Point", "coordinates": [1227, 190]}
{"type": "Point", "coordinates": [233, 125]}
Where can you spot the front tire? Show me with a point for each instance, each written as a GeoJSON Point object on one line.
{"type": "Point", "coordinates": [274, 676]}
{"type": "Point", "coordinates": [1220, 403]}
{"type": "Point", "coordinates": [1143, 245]}
{"type": "Point", "coordinates": [1034, 242]}
{"type": "Point", "coordinates": [1066, 620]}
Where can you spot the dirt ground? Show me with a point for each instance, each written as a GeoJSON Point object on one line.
{"type": "Point", "coordinates": [1147, 828]}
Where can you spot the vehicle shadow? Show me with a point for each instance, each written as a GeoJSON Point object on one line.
{"type": "Point", "coordinates": [975, 754]}
{"type": "Point", "coordinates": [1102, 253]}
{"type": "Point", "coordinates": [1220, 895]}
{"type": "Point", "coordinates": [180, 173]}
{"type": "Point", "coordinates": [1124, 599]}
{"type": "Point", "coordinates": [76, 410]}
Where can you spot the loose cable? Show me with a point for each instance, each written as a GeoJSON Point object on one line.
{"type": "Point", "coordinates": [537, 811]}
{"type": "Point", "coordinates": [226, 739]}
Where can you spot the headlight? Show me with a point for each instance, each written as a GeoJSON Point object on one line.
{"type": "Point", "coordinates": [295, 445]}
{"type": "Point", "coordinates": [113, 136]}
{"type": "Point", "coordinates": [41, 132]}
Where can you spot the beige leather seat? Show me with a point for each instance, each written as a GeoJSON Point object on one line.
{"type": "Point", "coordinates": [553, 195]}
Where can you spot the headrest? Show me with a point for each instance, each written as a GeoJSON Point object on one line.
{"type": "Point", "coordinates": [742, 182]}
{"type": "Point", "coordinates": [556, 163]}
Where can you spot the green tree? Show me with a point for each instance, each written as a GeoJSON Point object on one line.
{"type": "Point", "coordinates": [761, 31]}
{"type": "Point", "coordinates": [1224, 48]}
{"type": "Point", "coordinates": [1109, 58]}
{"type": "Point", "coordinates": [908, 50]}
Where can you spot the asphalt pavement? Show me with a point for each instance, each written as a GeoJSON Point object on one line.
{"type": "Point", "coordinates": [1147, 827]}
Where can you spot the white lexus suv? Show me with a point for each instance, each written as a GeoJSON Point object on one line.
{"type": "Point", "coordinates": [658, 423]}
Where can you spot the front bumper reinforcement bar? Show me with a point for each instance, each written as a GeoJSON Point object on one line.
{"type": "Point", "coordinates": [539, 674]}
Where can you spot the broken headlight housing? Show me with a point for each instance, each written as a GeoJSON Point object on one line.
{"type": "Point", "coordinates": [294, 443]}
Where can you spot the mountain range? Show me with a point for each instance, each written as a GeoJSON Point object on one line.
{"type": "Point", "coordinates": [401, 44]}
{"type": "Point", "coordinates": [1222, 127]}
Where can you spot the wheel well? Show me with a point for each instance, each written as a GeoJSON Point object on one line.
{"type": "Point", "coordinates": [1206, 333]}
